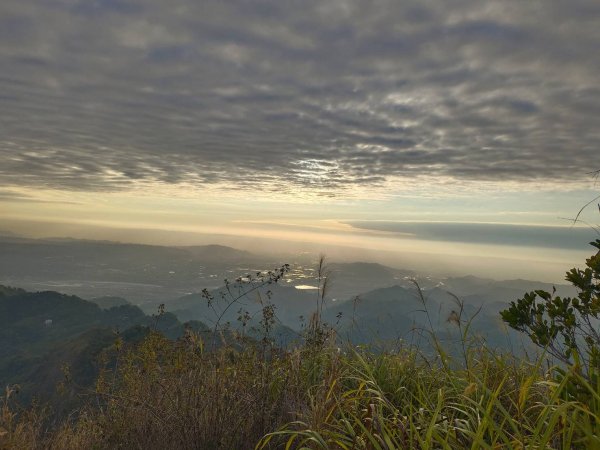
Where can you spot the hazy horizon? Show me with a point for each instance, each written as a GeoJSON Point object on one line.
{"type": "Point", "coordinates": [435, 254]}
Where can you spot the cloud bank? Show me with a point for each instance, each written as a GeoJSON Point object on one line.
{"type": "Point", "coordinates": [571, 238]}
{"type": "Point", "coordinates": [327, 97]}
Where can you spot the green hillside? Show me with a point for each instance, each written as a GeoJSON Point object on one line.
{"type": "Point", "coordinates": [44, 333]}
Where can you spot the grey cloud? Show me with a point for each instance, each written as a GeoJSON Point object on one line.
{"type": "Point", "coordinates": [278, 95]}
{"type": "Point", "coordinates": [572, 238]}
{"type": "Point", "coordinates": [11, 196]}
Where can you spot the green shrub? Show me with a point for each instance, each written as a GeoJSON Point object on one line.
{"type": "Point", "coordinates": [568, 328]}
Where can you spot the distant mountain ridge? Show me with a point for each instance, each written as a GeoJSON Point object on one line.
{"type": "Point", "coordinates": [384, 314]}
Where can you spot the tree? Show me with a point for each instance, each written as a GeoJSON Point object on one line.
{"type": "Point", "coordinates": [568, 328]}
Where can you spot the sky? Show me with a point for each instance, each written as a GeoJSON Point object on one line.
{"type": "Point", "coordinates": [457, 130]}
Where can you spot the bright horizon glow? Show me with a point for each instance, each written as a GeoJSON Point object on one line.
{"type": "Point", "coordinates": [319, 226]}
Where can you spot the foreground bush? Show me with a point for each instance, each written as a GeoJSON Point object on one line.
{"type": "Point", "coordinates": [167, 394]}
{"type": "Point", "coordinates": [567, 328]}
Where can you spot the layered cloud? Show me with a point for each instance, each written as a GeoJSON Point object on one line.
{"type": "Point", "coordinates": [328, 97]}
{"type": "Point", "coordinates": [572, 238]}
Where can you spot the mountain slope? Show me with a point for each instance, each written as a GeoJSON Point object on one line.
{"type": "Point", "coordinates": [40, 332]}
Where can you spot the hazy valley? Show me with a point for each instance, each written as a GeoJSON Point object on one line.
{"type": "Point", "coordinates": [65, 301]}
